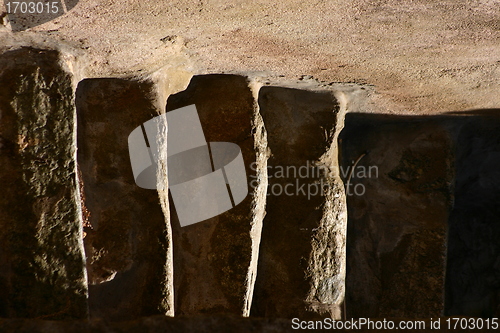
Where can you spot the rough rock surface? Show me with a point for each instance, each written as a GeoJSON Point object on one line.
{"type": "Point", "coordinates": [42, 271]}
{"type": "Point", "coordinates": [128, 244]}
{"type": "Point", "coordinates": [473, 269]}
{"type": "Point", "coordinates": [426, 219]}
{"type": "Point", "coordinates": [302, 263]}
{"type": "Point", "coordinates": [423, 56]}
{"type": "Point", "coordinates": [415, 57]}
{"type": "Point", "coordinates": [215, 261]}
{"type": "Point", "coordinates": [399, 200]}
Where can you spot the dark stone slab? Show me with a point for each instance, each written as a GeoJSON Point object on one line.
{"type": "Point", "coordinates": [399, 202]}
{"type": "Point", "coordinates": [42, 268]}
{"type": "Point", "coordinates": [473, 261]}
{"type": "Point", "coordinates": [129, 246]}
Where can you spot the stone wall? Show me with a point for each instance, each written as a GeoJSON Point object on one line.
{"type": "Point", "coordinates": [79, 239]}
{"type": "Point", "coordinates": [130, 271]}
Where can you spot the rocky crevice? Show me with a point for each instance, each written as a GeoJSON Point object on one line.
{"type": "Point", "coordinates": [313, 250]}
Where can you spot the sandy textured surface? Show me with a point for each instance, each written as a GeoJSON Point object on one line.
{"type": "Point", "coordinates": [422, 56]}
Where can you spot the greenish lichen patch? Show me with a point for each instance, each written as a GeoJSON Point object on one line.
{"type": "Point", "coordinates": [40, 212]}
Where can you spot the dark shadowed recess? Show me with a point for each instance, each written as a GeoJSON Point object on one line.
{"type": "Point", "coordinates": [423, 237]}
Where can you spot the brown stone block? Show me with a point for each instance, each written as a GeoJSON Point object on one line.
{"type": "Point", "coordinates": [215, 260]}
{"type": "Point", "coordinates": [42, 269]}
{"type": "Point", "coordinates": [302, 256]}
{"type": "Point", "coordinates": [128, 246]}
{"type": "Point", "coordinates": [399, 200]}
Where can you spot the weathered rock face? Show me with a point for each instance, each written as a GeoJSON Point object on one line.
{"type": "Point", "coordinates": [129, 246]}
{"type": "Point", "coordinates": [215, 261]}
{"type": "Point", "coordinates": [399, 200]}
{"type": "Point", "coordinates": [398, 174]}
{"type": "Point", "coordinates": [426, 210]}
{"type": "Point", "coordinates": [42, 270]}
{"type": "Point", "coordinates": [302, 257]}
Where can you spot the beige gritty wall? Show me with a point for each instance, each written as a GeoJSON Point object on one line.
{"type": "Point", "coordinates": [423, 57]}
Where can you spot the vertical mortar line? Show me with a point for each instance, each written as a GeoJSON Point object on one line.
{"type": "Point", "coordinates": [168, 80]}
{"type": "Point", "coordinates": [159, 94]}
{"type": "Point", "coordinates": [74, 67]}
{"type": "Point", "coordinates": [343, 101]}
{"type": "Point", "coordinates": [259, 195]}
{"type": "Point", "coordinates": [78, 196]}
